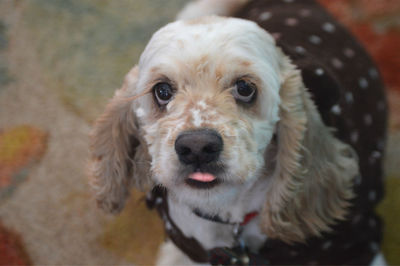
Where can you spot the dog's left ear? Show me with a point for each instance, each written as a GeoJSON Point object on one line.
{"type": "Point", "coordinates": [311, 185]}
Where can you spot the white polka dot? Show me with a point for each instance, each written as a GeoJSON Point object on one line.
{"type": "Point", "coordinates": [305, 12]}
{"type": "Point", "coordinates": [336, 109]}
{"type": "Point", "coordinates": [158, 201]}
{"type": "Point", "coordinates": [168, 226]}
{"type": "Point", "coordinates": [276, 35]}
{"type": "Point", "coordinates": [368, 119]}
{"type": "Point", "coordinates": [381, 106]}
{"type": "Point", "coordinates": [327, 245]}
{"type": "Point", "coordinates": [354, 137]}
{"type": "Point", "coordinates": [319, 72]}
{"type": "Point", "coordinates": [372, 195]}
{"type": "Point", "coordinates": [291, 22]}
{"type": "Point", "coordinates": [373, 73]}
{"type": "Point", "coordinates": [349, 97]}
{"type": "Point", "coordinates": [349, 52]}
{"type": "Point", "coordinates": [265, 16]}
{"type": "Point", "coordinates": [337, 63]}
{"type": "Point", "coordinates": [363, 83]}
{"type": "Point", "coordinates": [375, 155]}
{"type": "Point", "coordinates": [328, 27]}
{"type": "Point", "coordinates": [315, 39]}
{"type": "Point", "coordinates": [300, 50]}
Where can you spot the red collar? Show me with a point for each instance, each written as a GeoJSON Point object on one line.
{"type": "Point", "coordinates": [248, 218]}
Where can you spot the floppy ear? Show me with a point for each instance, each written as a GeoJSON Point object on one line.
{"type": "Point", "coordinates": [118, 159]}
{"type": "Point", "coordinates": [312, 182]}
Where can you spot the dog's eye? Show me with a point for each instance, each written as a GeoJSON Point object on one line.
{"type": "Point", "coordinates": [163, 93]}
{"type": "Point", "coordinates": [244, 91]}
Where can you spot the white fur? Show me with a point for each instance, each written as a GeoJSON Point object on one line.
{"type": "Point", "coordinates": [140, 112]}
{"type": "Point", "coordinates": [236, 205]}
{"type": "Point", "coordinates": [233, 204]}
{"type": "Point", "coordinates": [169, 254]}
{"type": "Point", "coordinates": [379, 260]}
{"type": "Point", "coordinates": [176, 51]}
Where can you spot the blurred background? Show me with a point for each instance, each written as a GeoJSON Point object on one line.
{"type": "Point", "coordinates": [60, 60]}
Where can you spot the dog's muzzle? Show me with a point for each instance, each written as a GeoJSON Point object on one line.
{"type": "Point", "coordinates": [199, 150]}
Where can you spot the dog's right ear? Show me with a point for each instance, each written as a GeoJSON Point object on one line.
{"type": "Point", "coordinates": [118, 157]}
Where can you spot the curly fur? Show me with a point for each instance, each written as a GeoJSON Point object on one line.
{"type": "Point", "coordinates": [117, 156]}
{"type": "Point", "coordinates": [307, 174]}
{"type": "Point", "coordinates": [312, 183]}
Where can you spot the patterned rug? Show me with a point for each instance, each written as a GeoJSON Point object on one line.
{"type": "Point", "coordinates": [12, 251]}
{"type": "Point", "coordinates": [20, 147]}
{"type": "Point", "coordinates": [60, 60]}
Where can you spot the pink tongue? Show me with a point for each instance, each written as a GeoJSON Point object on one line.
{"type": "Point", "coordinates": [202, 177]}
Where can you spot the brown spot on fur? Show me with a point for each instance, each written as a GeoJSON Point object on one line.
{"type": "Point", "coordinates": [202, 64]}
{"type": "Point", "coordinates": [135, 97]}
{"type": "Point", "coordinates": [181, 44]}
{"type": "Point", "coordinates": [202, 20]}
{"type": "Point", "coordinates": [154, 69]}
{"type": "Point", "coordinates": [245, 63]}
{"type": "Point", "coordinates": [219, 71]}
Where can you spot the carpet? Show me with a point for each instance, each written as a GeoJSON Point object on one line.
{"type": "Point", "coordinates": [60, 60]}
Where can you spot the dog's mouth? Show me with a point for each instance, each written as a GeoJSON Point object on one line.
{"type": "Point", "coordinates": [202, 180]}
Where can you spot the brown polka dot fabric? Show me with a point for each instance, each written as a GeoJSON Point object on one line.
{"type": "Point", "coordinates": [348, 91]}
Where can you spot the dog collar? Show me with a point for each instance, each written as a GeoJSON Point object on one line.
{"type": "Point", "coordinates": [217, 219]}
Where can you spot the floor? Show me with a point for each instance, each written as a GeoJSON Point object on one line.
{"type": "Point", "coordinates": [60, 60]}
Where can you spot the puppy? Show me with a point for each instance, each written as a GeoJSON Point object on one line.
{"type": "Point", "coordinates": [260, 142]}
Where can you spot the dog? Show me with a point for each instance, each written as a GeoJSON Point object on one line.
{"type": "Point", "coordinates": [259, 137]}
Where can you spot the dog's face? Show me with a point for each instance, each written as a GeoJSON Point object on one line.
{"type": "Point", "coordinates": [212, 104]}
{"type": "Point", "coordinates": [198, 115]}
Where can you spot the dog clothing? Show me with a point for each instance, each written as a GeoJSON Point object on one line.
{"type": "Point", "coordinates": [347, 89]}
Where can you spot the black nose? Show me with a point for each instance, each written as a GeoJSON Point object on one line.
{"type": "Point", "coordinates": [198, 147]}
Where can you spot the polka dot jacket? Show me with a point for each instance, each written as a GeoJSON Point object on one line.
{"type": "Point", "coordinates": [348, 91]}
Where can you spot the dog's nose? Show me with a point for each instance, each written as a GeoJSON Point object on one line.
{"type": "Point", "coordinates": [199, 146]}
